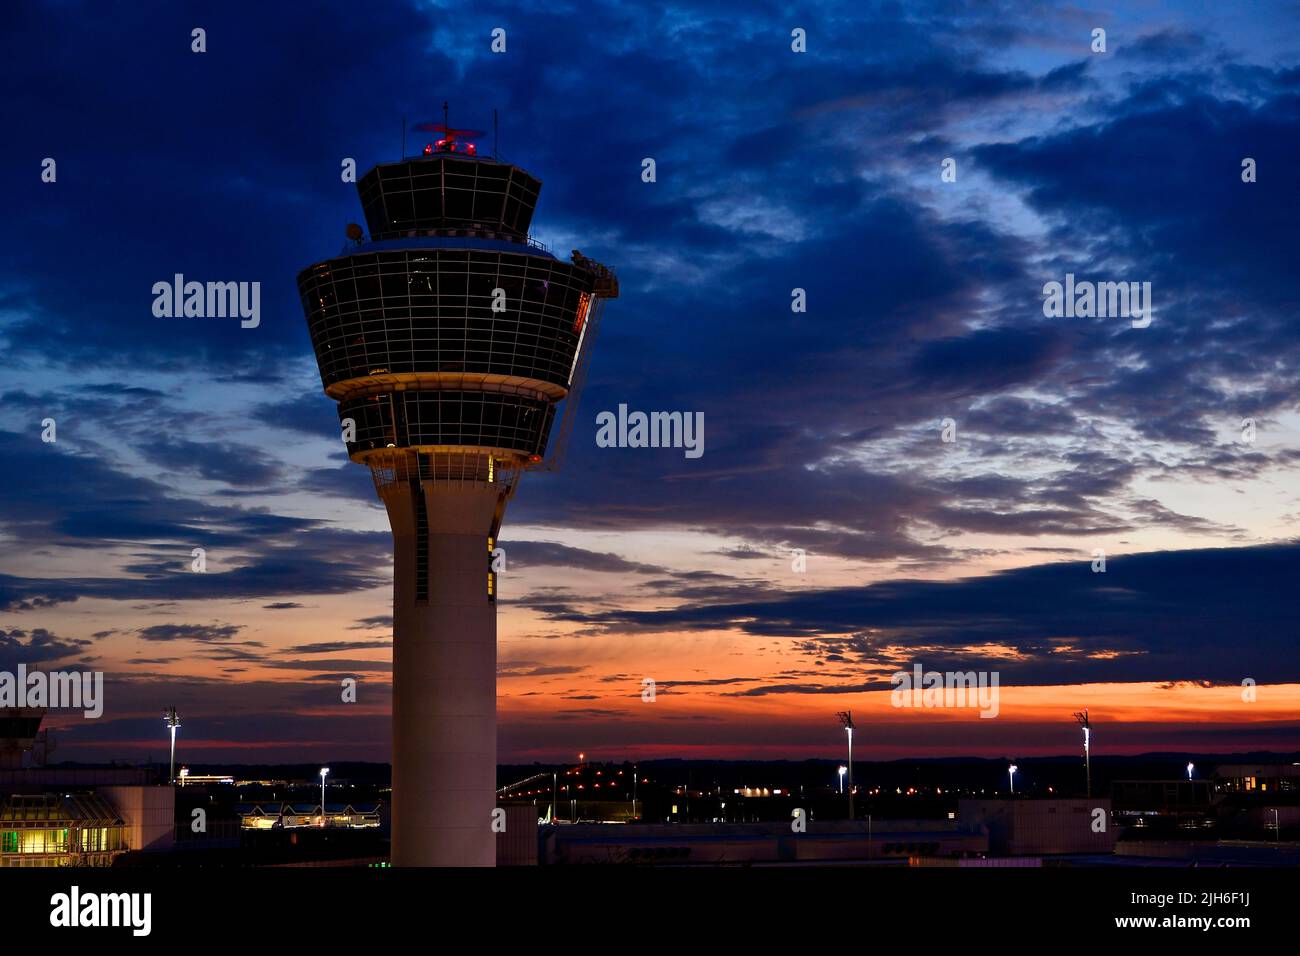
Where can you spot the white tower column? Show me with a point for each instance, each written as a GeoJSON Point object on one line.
{"type": "Point", "coordinates": [444, 677]}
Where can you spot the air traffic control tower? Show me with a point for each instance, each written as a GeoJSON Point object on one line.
{"type": "Point", "coordinates": [447, 338]}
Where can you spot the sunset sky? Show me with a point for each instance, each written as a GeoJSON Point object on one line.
{"type": "Point", "coordinates": [776, 170]}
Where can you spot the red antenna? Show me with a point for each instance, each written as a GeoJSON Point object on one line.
{"type": "Point", "coordinates": [449, 137]}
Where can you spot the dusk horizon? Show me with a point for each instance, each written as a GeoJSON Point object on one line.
{"type": "Point", "coordinates": [870, 278]}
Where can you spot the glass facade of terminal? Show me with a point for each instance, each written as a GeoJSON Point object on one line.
{"type": "Point", "coordinates": [42, 830]}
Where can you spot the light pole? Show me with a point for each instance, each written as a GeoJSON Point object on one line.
{"type": "Point", "coordinates": [324, 772]}
{"type": "Point", "coordinates": [843, 770]}
{"type": "Point", "coordinates": [1190, 767]}
{"type": "Point", "coordinates": [846, 718]}
{"type": "Point", "coordinates": [1011, 775]}
{"type": "Point", "coordinates": [1082, 718]}
{"type": "Point", "coordinates": [173, 721]}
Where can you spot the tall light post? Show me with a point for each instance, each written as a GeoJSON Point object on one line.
{"type": "Point", "coordinates": [1082, 718]}
{"type": "Point", "coordinates": [1011, 775]}
{"type": "Point", "coordinates": [1190, 767]}
{"type": "Point", "coordinates": [173, 721]}
{"type": "Point", "coordinates": [843, 770]}
{"type": "Point", "coordinates": [324, 772]}
{"type": "Point", "coordinates": [846, 718]}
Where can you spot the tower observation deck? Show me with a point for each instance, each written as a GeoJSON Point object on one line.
{"type": "Point", "coordinates": [447, 338]}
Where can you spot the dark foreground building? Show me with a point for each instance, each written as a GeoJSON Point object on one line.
{"type": "Point", "coordinates": [447, 338]}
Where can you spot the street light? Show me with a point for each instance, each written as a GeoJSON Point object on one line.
{"type": "Point", "coordinates": [324, 771]}
{"type": "Point", "coordinates": [1190, 767]}
{"type": "Point", "coordinates": [173, 721]}
{"type": "Point", "coordinates": [846, 718]}
{"type": "Point", "coordinates": [1011, 773]}
{"type": "Point", "coordinates": [843, 770]}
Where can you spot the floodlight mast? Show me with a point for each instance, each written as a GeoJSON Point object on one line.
{"type": "Point", "coordinates": [324, 772]}
{"type": "Point", "coordinates": [448, 337]}
{"type": "Point", "coordinates": [1082, 718]}
{"type": "Point", "coordinates": [846, 719]}
{"type": "Point", "coordinates": [173, 721]}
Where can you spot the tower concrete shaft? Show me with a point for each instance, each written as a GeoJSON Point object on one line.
{"type": "Point", "coordinates": [444, 671]}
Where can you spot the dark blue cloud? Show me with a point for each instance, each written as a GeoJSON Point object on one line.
{"type": "Point", "coordinates": [1218, 615]}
